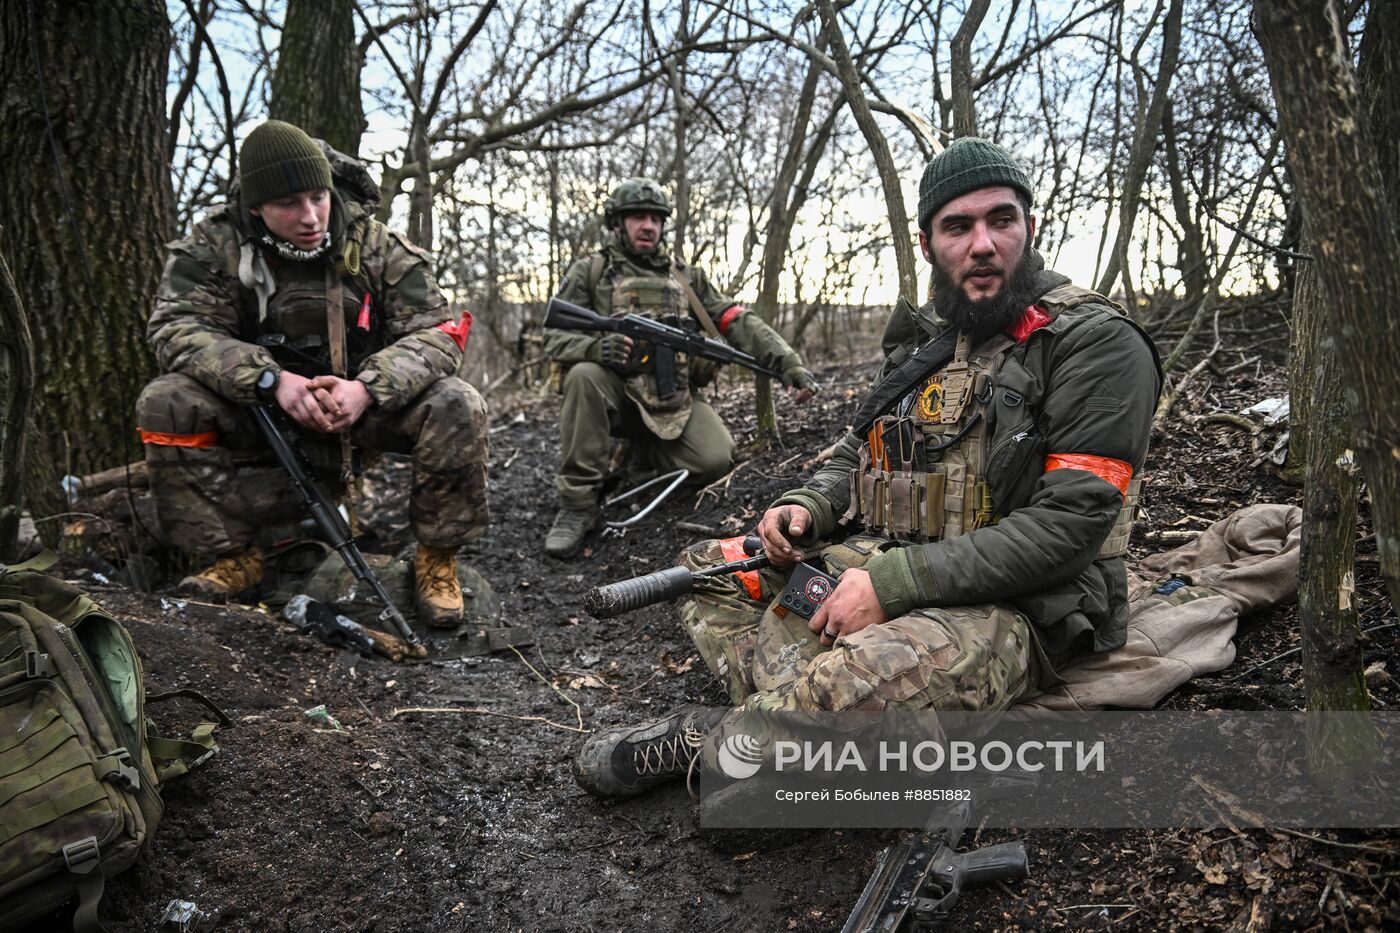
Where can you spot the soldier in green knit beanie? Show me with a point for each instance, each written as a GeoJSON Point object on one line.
{"type": "Point", "coordinates": [242, 318]}
{"type": "Point", "coordinates": [975, 516]}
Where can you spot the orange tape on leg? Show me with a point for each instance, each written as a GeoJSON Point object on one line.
{"type": "Point", "coordinates": [161, 439]}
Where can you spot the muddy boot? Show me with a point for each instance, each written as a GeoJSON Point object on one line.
{"type": "Point", "coordinates": [569, 528]}
{"type": "Point", "coordinates": [231, 577]}
{"type": "Point", "coordinates": [437, 596]}
{"type": "Point", "coordinates": [627, 760]}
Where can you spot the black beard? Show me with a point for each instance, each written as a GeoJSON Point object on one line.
{"type": "Point", "coordinates": [981, 318]}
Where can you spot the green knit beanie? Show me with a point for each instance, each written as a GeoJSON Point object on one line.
{"type": "Point", "coordinates": [278, 159]}
{"type": "Point", "coordinates": [967, 164]}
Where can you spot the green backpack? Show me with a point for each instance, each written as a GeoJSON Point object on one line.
{"type": "Point", "coordinates": [79, 775]}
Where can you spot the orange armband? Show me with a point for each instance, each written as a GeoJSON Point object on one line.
{"type": "Point", "coordinates": [733, 549]}
{"type": "Point", "coordinates": [1117, 473]}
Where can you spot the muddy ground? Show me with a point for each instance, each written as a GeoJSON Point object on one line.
{"type": "Point", "coordinates": [471, 820]}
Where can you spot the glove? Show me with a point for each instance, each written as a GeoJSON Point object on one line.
{"type": "Point", "coordinates": [613, 351]}
{"type": "Point", "coordinates": [801, 378]}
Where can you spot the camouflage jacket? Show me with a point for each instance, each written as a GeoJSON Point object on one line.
{"type": "Point", "coordinates": [745, 330]}
{"type": "Point", "coordinates": [1095, 380]}
{"type": "Point", "coordinates": [209, 314]}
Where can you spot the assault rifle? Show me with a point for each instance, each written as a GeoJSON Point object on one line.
{"type": "Point", "coordinates": [666, 340]}
{"type": "Point", "coordinates": [331, 523]}
{"type": "Point", "coordinates": [917, 882]}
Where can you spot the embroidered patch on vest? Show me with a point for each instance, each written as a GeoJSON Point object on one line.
{"type": "Point", "coordinates": [930, 400]}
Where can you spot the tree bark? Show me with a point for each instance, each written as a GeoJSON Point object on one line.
{"type": "Point", "coordinates": [880, 150]}
{"type": "Point", "coordinates": [86, 196]}
{"type": "Point", "coordinates": [1144, 145]}
{"type": "Point", "coordinates": [1333, 155]}
{"type": "Point", "coordinates": [316, 84]}
{"type": "Point", "coordinates": [964, 105]}
{"type": "Point", "coordinates": [16, 395]}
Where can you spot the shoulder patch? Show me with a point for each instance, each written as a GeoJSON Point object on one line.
{"type": "Point", "coordinates": [184, 274]}
{"type": "Point", "coordinates": [1103, 399]}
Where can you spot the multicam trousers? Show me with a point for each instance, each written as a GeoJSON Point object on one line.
{"type": "Point", "coordinates": [596, 408]}
{"type": "Point", "coordinates": [194, 471]}
{"type": "Point", "coordinates": [975, 658]}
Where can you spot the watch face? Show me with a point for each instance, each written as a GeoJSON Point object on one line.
{"type": "Point", "coordinates": [267, 379]}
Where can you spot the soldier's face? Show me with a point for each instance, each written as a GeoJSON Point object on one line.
{"type": "Point", "coordinates": [978, 239]}
{"type": "Point", "coordinates": [643, 229]}
{"type": "Point", "coordinates": [301, 219]}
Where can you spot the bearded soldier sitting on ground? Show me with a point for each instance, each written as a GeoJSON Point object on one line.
{"type": "Point", "coordinates": [241, 318]}
{"type": "Point", "coordinates": [992, 475]}
{"type": "Point", "coordinates": [609, 384]}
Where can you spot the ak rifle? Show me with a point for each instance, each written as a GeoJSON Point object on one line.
{"type": "Point", "coordinates": [665, 339]}
{"type": "Point", "coordinates": [332, 524]}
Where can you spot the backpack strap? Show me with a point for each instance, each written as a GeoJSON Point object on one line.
{"type": "Point", "coordinates": [596, 264]}
{"type": "Point", "coordinates": [84, 862]}
{"type": "Point", "coordinates": [182, 756]}
{"type": "Point", "coordinates": [39, 562]}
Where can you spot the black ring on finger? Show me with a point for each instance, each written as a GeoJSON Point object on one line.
{"type": "Point", "coordinates": [828, 633]}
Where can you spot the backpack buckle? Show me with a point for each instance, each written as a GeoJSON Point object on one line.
{"type": "Point", "coordinates": [82, 856]}
{"type": "Point", "coordinates": [38, 664]}
{"type": "Point", "coordinates": [120, 769]}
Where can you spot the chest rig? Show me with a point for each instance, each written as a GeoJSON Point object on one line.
{"type": "Point", "coordinates": [962, 450]}
{"type": "Point", "coordinates": [922, 469]}
{"type": "Point", "coordinates": [290, 303]}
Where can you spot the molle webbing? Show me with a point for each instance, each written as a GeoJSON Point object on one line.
{"type": "Point", "coordinates": [1116, 544]}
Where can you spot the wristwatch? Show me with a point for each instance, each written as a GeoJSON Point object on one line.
{"type": "Point", "coordinates": [266, 386]}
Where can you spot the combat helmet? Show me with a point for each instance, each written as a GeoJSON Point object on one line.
{"type": "Point", "coordinates": [636, 194]}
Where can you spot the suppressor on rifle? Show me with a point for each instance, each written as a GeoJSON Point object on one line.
{"type": "Point", "coordinates": [604, 602]}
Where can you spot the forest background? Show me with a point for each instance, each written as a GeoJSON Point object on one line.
{"type": "Point", "coordinates": [1191, 158]}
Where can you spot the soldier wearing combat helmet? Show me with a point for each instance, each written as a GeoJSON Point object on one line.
{"type": "Point", "coordinates": [976, 517]}
{"type": "Point", "coordinates": [609, 385]}
{"type": "Point", "coordinates": [244, 316]}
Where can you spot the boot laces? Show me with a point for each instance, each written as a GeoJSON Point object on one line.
{"type": "Point", "coordinates": [441, 574]}
{"type": "Point", "coordinates": [673, 754]}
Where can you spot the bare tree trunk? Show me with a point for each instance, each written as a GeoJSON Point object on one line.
{"type": "Point", "coordinates": [1333, 155]}
{"type": "Point", "coordinates": [86, 195]}
{"type": "Point", "coordinates": [880, 150]}
{"type": "Point", "coordinates": [1149, 122]}
{"type": "Point", "coordinates": [317, 81]}
{"type": "Point", "coordinates": [775, 245]}
{"type": "Point", "coordinates": [964, 106]}
{"type": "Point", "coordinates": [1332, 660]}
{"type": "Point", "coordinates": [16, 394]}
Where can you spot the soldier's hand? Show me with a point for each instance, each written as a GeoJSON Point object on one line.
{"type": "Point", "coordinates": [344, 400]}
{"type": "Point", "coordinates": [851, 607]}
{"type": "Point", "coordinates": [615, 351]}
{"type": "Point", "coordinates": [297, 397]}
{"type": "Point", "coordinates": [777, 529]}
{"type": "Point", "coordinates": [802, 385]}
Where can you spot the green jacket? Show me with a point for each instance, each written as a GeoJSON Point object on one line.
{"type": "Point", "coordinates": [747, 331]}
{"type": "Point", "coordinates": [206, 321]}
{"type": "Point", "coordinates": [1094, 379]}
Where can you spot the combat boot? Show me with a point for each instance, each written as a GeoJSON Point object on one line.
{"type": "Point", "coordinates": [567, 533]}
{"type": "Point", "coordinates": [627, 760]}
{"type": "Point", "coordinates": [231, 577]}
{"type": "Point", "coordinates": [437, 594]}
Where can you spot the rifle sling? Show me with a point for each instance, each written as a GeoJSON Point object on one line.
{"type": "Point", "coordinates": [929, 358]}
{"type": "Point", "coordinates": [696, 307]}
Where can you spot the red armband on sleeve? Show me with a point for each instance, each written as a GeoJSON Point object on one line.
{"type": "Point", "coordinates": [458, 332]}
{"type": "Point", "coordinates": [728, 317]}
{"type": "Point", "coordinates": [1116, 473]}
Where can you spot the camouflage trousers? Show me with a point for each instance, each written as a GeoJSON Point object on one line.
{"type": "Point", "coordinates": [974, 658]}
{"type": "Point", "coordinates": [194, 471]}
{"type": "Point", "coordinates": [596, 408]}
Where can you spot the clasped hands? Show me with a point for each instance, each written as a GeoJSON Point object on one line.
{"type": "Point", "coordinates": [851, 607]}
{"type": "Point", "coordinates": [327, 404]}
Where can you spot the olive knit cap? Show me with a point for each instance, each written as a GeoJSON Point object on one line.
{"type": "Point", "coordinates": [967, 164]}
{"type": "Point", "coordinates": [278, 159]}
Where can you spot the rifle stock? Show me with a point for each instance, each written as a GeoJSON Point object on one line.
{"type": "Point", "coordinates": [331, 523]}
